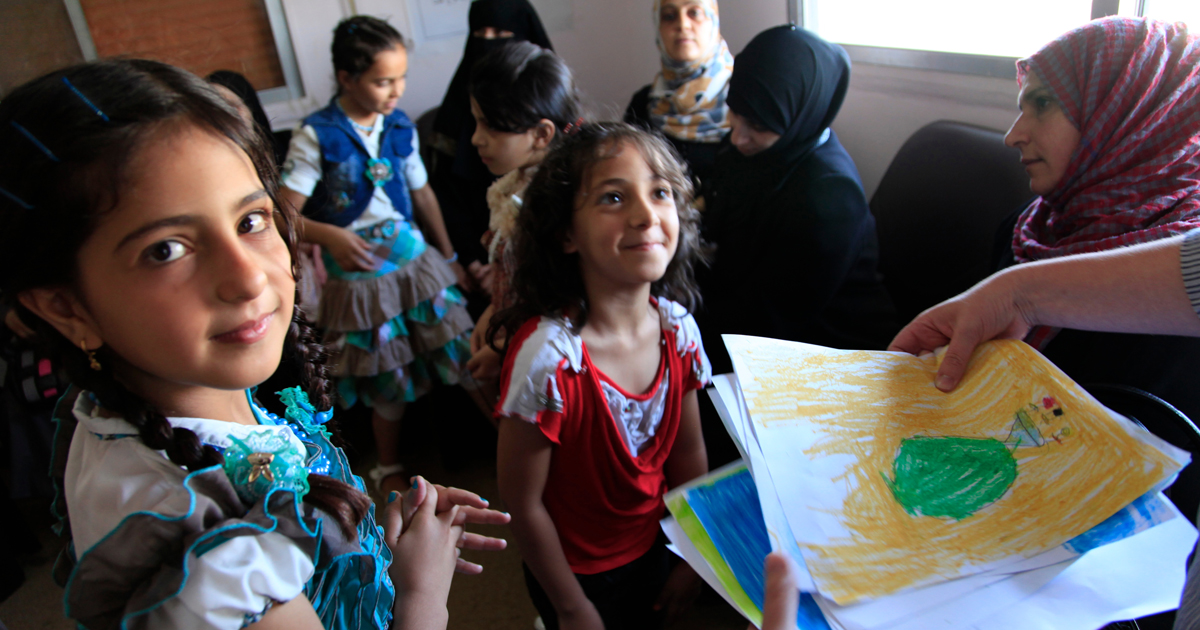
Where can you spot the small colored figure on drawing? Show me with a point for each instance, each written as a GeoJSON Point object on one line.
{"type": "Point", "coordinates": [952, 477]}
{"type": "Point", "coordinates": [1025, 432]}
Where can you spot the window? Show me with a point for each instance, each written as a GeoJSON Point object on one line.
{"type": "Point", "coordinates": [972, 37]}
{"type": "Point", "coordinates": [1186, 11]}
{"type": "Point", "coordinates": [246, 36]}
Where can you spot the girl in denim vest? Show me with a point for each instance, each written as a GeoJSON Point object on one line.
{"type": "Point", "coordinates": [390, 310]}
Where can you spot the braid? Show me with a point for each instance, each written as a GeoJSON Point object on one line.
{"type": "Point", "coordinates": [310, 356]}
{"type": "Point", "coordinates": [340, 501]}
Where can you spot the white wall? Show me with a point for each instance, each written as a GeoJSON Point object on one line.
{"type": "Point", "coordinates": [885, 105]}
{"type": "Point", "coordinates": [610, 46]}
{"type": "Point", "coordinates": [608, 43]}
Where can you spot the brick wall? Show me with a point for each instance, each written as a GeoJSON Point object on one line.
{"type": "Point", "coordinates": [199, 35]}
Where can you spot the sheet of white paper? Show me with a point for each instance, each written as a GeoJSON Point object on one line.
{"type": "Point", "coordinates": [722, 390]}
{"type": "Point", "coordinates": [998, 596]}
{"type": "Point", "coordinates": [1131, 578]}
{"type": "Point", "coordinates": [777, 525]}
{"type": "Point", "coordinates": [686, 550]}
{"type": "Point", "coordinates": [952, 612]}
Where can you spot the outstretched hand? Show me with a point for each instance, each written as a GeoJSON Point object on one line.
{"type": "Point", "coordinates": [781, 601]}
{"type": "Point", "coordinates": [471, 508]}
{"type": "Point", "coordinates": [990, 310]}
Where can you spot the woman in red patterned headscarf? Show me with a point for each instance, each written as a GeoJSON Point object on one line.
{"type": "Point", "coordinates": [1109, 133]}
{"type": "Point", "coordinates": [1130, 88]}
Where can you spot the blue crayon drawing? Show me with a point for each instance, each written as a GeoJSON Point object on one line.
{"type": "Point", "coordinates": [731, 514]}
{"type": "Point", "coordinates": [1145, 512]}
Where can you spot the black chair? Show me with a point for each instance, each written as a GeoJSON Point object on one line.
{"type": "Point", "coordinates": [1164, 420]}
{"type": "Point", "coordinates": [937, 209]}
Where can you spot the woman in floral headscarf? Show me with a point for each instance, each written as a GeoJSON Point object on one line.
{"type": "Point", "coordinates": [1109, 133]}
{"type": "Point", "coordinates": [686, 101]}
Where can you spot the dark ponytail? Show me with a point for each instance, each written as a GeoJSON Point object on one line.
{"type": "Point", "coordinates": [520, 84]}
{"type": "Point", "coordinates": [88, 122]}
{"type": "Point", "coordinates": [356, 41]}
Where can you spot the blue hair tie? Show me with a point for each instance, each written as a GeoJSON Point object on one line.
{"type": "Point", "coordinates": [37, 143]}
{"type": "Point", "coordinates": [17, 200]}
{"type": "Point", "coordinates": [85, 100]}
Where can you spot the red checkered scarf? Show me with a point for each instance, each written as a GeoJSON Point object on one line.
{"type": "Point", "coordinates": [1132, 88]}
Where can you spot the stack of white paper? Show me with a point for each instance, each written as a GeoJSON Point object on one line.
{"type": "Point", "coordinates": [1015, 501]}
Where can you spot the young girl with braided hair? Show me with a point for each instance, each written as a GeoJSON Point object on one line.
{"type": "Point", "coordinates": [140, 236]}
{"type": "Point", "coordinates": [389, 308]}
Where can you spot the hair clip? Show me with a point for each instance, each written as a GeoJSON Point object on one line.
{"type": "Point", "coordinates": [17, 200]}
{"type": "Point", "coordinates": [573, 127]}
{"type": "Point", "coordinates": [37, 143]}
{"type": "Point", "coordinates": [85, 100]}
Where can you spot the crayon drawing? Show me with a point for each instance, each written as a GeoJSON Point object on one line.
{"type": "Point", "coordinates": [722, 516]}
{"type": "Point", "coordinates": [913, 486]}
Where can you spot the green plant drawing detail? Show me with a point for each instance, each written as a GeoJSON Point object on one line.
{"type": "Point", "coordinates": [950, 476]}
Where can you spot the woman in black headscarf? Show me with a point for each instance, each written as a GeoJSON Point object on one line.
{"type": "Point", "coordinates": [459, 178]}
{"type": "Point", "coordinates": [796, 245]}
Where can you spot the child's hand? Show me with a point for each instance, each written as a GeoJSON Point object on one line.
{"type": "Point", "coordinates": [462, 278]}
{"type": "Point", "coordinates": [351, 252]}
{"type": "Point", "coordinates": [424, 555]}
{"type": "Point", "coordinates": [471, 509]}
{"type": "Point", "coordinates": [680, 591]}
{"type": "Point", "coordinates": [782, 598]}
{"type": "Point", "coordinates": [479, 335]}
{"type": "Point", "coordinates": [482, 274]}
{"type": "Point", "coordinates": [485, 364]}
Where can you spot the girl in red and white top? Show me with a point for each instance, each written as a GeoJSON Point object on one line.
{"type": "Point", "coordinates": [598, 407]}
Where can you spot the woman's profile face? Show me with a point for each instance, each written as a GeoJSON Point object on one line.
{"type": "Point", "coordinates": [1044, 134]}
{"type": "Point", "coordinates": [685, 28]}
{"type": "Point", "coordinates": [748, 137]}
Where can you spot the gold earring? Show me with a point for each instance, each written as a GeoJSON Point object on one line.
{"type": "Point", "coordinates": [91, 355]}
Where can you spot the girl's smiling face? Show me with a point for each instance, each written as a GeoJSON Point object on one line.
{"type": "Point", "coordinates": [625, 227]}
{"type": "Point", "coordinates": [1044, 134]}
{"type": "Point", "coordinates": [187, 278]}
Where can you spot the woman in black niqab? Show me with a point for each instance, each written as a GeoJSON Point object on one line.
{"type": "Point", "coordinates": [459, 177]}
{"type": "Point", "coordinates": [796, 246]}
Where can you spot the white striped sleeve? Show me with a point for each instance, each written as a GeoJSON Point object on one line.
{"type": "Point", "coordinates": [1189, 262]}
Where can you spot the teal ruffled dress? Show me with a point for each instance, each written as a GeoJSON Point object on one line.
{"type": "Point", "coordinates": [396, 330]}
{"type": "Point", "coordinates": [144, 562]}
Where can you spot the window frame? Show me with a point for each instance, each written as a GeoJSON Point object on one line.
{"type": "Point", "coordinates": [800, 12]}
{"type": "Point", "coordinates": [293, 88]}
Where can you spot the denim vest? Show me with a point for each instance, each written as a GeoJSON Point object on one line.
{"type": "Point", "coordinates": [349, 175]}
